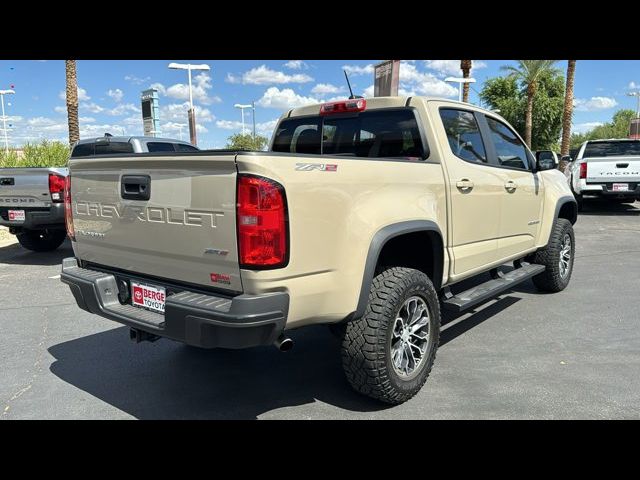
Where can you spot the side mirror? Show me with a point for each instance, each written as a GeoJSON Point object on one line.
{"type": "Point", "coordinates": [546, 164]}
{"type": "Point", "coordinates": [545, 160]}
{"type": "Point", "coordinates": [566, 158]}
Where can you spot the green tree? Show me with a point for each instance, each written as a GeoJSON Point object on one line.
{"type": "Point", "coordinates": [529, 72]}
{"type": "Point", "coordinates": [510, 97]}
{"type": "Point", "coordinates": [618, 127]}
{"type": "Point", "coordinates": [239, 141]}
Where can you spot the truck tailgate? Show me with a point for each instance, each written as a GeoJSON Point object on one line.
{"type": "Point", "coordinates": [613, 169]}
{"type": "Point", "coordinates": [185, 231]}
{"type": "Point", "coordinates": [26, 187]}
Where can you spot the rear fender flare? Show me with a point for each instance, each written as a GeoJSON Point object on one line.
{"type": "Point", "coordinates": [378, 242]}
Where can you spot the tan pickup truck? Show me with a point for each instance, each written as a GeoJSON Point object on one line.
{"type": "Point", "coordinates": [363, 215]}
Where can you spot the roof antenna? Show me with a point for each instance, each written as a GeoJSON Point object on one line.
{"type": "Point", "coordinates": [352, 96]}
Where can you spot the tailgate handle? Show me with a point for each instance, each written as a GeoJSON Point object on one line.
{"type": "Point", "coordinates": [135, 187]}
{"type": "Point", "coordinates": [622, 165]}
{"type": "Point", "coordinates": [7, 181]}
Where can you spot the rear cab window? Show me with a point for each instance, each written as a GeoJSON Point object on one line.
{"type": "Point", "coordinates": [160, 147]}
{"type": "Point", "coordinates": [629, 148]}
{"type": "Point", "coordinates": [182, 147]}
{"type": "Point", "coordinates": [83, 150]}
{"type": "Point", "coordinates": [384, 133]}
{"type": "Point", "coordinates": [107, 148]}
{"type": "Point", "coordinates": [100, 148]}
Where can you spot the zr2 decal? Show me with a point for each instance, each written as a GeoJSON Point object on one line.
{"type": "Point", "coordinates": [323, 167]}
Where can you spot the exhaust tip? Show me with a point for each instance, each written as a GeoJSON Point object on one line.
{"type": "Point", "coordinates": [284, 344]}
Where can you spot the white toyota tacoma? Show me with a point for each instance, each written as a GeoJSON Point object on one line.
{"type": "Point", "coordinates": [606, 168]}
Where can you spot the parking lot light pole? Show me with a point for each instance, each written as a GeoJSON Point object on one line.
{"type": "Point", "coordinates": [192, 116]}
{"type": "Point", "coordinates": [637, 95]}
{"type": "Point", "coordinates": [242, 107]}
{"type": "Point", "coordinates": [4, 119]}
{"type": "Point", "coordinates": [460, 81]}
{"type": "Point", "coordinates": [253, 107]}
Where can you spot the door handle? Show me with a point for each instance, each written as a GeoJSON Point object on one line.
{"type": "Point", "coordinates": [510, 186]}
{"type": "Point", "coordinates": [465, 185]}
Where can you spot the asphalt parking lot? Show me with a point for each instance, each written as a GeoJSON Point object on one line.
{"type": "Point", "coordinates": [526, 355]}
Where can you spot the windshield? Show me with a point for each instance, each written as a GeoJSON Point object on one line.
{"type": "Point", "coordinates": [612, 149]}
{"type": "Point", "coordinates": [373, 134]}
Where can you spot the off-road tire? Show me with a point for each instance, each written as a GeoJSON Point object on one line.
{"type": "Point", "coordinates": [550, 280]}
{"type": "Point", "coordinates": [366, 346]}
{"type": "Point", "coordinates": [41, 240]}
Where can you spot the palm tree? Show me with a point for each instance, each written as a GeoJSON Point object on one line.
{"type": "Point", "coordinates": [529, 72]}
{"type": "Point", "coordinates": [465, 66]}
{"type": "Point", "coordinates": [568, 109]}
{"type": "Point", "coordinates": [72, 101]}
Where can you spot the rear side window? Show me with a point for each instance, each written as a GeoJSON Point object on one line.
{"type": "Point", "coordinates": [510, 150]}
{"type": "Point", "coordinates": [83, 150]}
{"type": "Point", "coordinates": [160, 147]}
{"type": "Point", "coordinates": [113, 147]}
{"type": "Point", "coordinates": [373, 134]}
{"type": "Point", "coordinates": [463, 135]}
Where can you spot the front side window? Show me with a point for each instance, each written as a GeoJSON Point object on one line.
{"type": "Point", "coordinates": [510, 150]}
{"type": "Point", "coordinates": [463, 135]}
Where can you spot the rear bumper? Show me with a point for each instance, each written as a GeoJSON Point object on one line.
{"type": "Point", "coordinates": [205, 321]}
{"type": "Point", "coordinates": [606, 190]}
{"type": "Point", "coordinates": [35, 218]}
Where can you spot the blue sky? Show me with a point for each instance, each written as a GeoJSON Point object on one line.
{"type": "Point", "coordinates": [110, 92]}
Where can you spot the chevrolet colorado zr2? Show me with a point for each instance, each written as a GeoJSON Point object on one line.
{"type": "Point", "coordinates": [363, 214]}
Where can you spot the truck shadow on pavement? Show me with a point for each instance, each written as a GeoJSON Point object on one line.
{"type": "Point", "coordinates": [599, 207]}
{"type": "Point", "coordinates": [15, 254]}
{"type": "Point", "coordinates": [168, 380]}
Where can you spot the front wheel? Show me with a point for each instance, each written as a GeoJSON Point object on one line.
{"type": "Point", "coordinates": [388, 353]}
{"type": "Point", "coordinates": [557, 257]}
{"type": "Point", "coordinates": [41, 240]}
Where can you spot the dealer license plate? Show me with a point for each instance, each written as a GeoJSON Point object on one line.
{"type": "Point", "coordinates": [620, 187]}
{"type": "Point", "coordinates": [147, 296]}
{"type": "Point", "coordinates": [16, 215]}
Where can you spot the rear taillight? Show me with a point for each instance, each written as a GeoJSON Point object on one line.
{"type": "Point", "coordinates": [583, 170]}
{"type": "Point", "coordinates": [344, 106]}
{"type": "Point", "coordinates": [56, 187]}
{"type": "Point", "coordinates": [262, 223]}
{"type": "Point", "coordinates": [68, 217]}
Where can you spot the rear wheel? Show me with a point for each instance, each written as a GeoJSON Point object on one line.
{"type": "Point", "coordinates": [388, 353]}
{"type": "Point", "coordinates": [41, 240]}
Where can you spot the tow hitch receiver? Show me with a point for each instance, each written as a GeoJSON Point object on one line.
{"type": "Point", "coordinates": [138, 336]}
